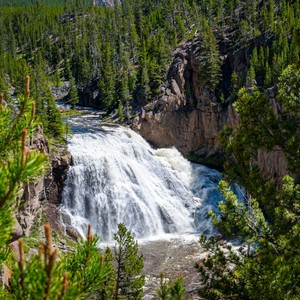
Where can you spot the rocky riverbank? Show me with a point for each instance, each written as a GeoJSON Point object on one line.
{"type": "Point", "coordinates": [174, 256]}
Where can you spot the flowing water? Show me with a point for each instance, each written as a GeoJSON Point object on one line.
{"type": "Point", "coordinates": [117, 177]}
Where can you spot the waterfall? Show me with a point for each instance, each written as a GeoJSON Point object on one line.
{"type": "Point", "coordinates": [117, 177]}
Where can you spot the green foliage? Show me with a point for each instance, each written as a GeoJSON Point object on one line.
{"type": "Point", "coordinates": [46, 108]}
{"type": "Point", "coordinates": [96, 270]}
{"type": "Point", "coordinates": [268, 221]}
{"type": "Point", "coordinates": [163, 291]}
{"type": "Point", "coordinates": [209, 60]}
{"type": "Point", "coordinates": [129, 282]}
{"type": "Point", "coordinates": [29, 2]}
{"type": "Point", "coordinates": [171, 291]}
{"type": "Point", "coordinates": [73, 94]}
{"type": "Point", "coordinates": [126, 49]}
{"type": "Point", "coordinates": [120, 111]}
{"type": "Point", "coordinates": [18, 164]}
{"type": "Point", "coordinates": [235, 85]}
{"type": "Point", "coordinates": [80, 274]}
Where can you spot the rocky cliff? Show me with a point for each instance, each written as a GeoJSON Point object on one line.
{"type": "Point", "coordinates": [42, 197]}
{"type": "Point", "coordinates": [189, 116]}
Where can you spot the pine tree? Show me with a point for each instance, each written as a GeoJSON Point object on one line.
{"type": "Point", "coordinates": [73, 94]}
{"type": "Point", "coordinates": [234, 85]}
{"type": "Point", "coordinates": [107, 79]}
{"type": "Point", "coordinates": [46, 108]}
{"type": "Point", "coordinates": [129, 282]}
{"type": "Point", "coordinates": [268, 218]}
{"type": "Point", "coordinates": [208, 60]}
{"type": "Point", "coordinates": [144, 77]}
{"type": "Point", "coordinates": [53, 275]}
{"type": "Point", "coordinates": [17, 162]}
{"type": "Point", "coordinates": [171, 291]}
{"type": "Point", "coordinates": [4, 87]}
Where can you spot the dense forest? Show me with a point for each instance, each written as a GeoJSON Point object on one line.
{"type": "Point", "coordinates": [124, 52]}
{"type": "Point", "coordinates": [21, 3]}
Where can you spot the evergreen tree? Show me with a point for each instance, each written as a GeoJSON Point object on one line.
{"type": "Point", "coordinates": [46, 108]}
{"type": "Point", "coordinates": [73, 94]}
{"type": "Point", "coordinates": [234, 86]}
{"type": "Point", "coordinates": [48, 275]}
{"type": "Point", "coordinates": [129, 282]}
{"type": "Point", "coordinates": [4, 87]}
{"type": "Point", "coordinates": [208, 60]}
{"type": "Point", "coordinates": [268, 218]}
{"type": "Point", "coordinates": [171, 291]}
{"type": "Point", "coordinates": [107, 79]}
{"type": "Point", "coordinates": [144, 77]}
{"type": "Point", "coordinates": [17, 163]}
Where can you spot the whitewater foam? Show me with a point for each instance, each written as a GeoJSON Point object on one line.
{"type": "Point", "coordinates": [117, 177]}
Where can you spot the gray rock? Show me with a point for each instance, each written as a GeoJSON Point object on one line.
{"type": "Point", "coordinates": [195, 128]}
{"type": "Point", "coordinates": [14, 246]}
{"type": "Point", "coordinates": [73, 233]}
{"type": "Point", "coordinates": [17, 230]}
{"type": "Point", "coordinates": [61, 91]}
{"type": "Point", "coordinates": [175, 88]}
{"type": "Point", "coordinates": [66, 219]}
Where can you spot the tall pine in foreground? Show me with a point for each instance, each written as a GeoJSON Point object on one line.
{"type": "Point", "coordinates": [18, 163]}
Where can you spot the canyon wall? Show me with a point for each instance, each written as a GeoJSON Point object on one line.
{"type": "Point", "coordinates": [189, 116]}
{"type": "Point", "coordinates": [41, 198]}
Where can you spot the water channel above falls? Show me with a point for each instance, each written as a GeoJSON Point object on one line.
{"type": "Point", "coordinates": [161, 197]}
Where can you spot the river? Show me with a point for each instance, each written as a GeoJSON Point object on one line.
{"type": "Point", "coordinates": [162, 198]}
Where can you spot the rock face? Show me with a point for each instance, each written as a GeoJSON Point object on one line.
{"type": "Point", "coordinates": [43, 195]}
{"type": "Point", "coordinates": [89, 95]}
{"type": "Point", "coordinates": [108, 3]}
{"type": "Point", "coordinates": [188, 115]}
{"type": "Point", "coordinates": [61, 92]}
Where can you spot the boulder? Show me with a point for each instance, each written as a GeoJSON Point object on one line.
{"type": "Point", "coordinates": [73, 233]}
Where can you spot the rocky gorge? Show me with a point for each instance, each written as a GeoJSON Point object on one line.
{"type": "Point", "coordinates": [188, 115]}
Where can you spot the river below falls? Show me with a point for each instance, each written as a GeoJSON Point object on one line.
{"type": "Point", "coordinates": [162, 198]}
{"type": "Point", "coordinates": [171, 256]}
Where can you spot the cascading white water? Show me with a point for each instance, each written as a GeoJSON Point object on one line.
{"type": "Point", "coordinates": [117, 177]}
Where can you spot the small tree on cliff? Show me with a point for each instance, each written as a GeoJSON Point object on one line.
{"type": "Point", "coordinates": [129, 282]}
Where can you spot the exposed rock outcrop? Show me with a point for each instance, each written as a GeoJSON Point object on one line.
{"type": "Point", "coordinates": [188, 115]}
{"type": "Point", "coordinates": [62, 91]}
{"type": "Point", "coordinates": [43, 195]}
{"type": "Point", "coordinates": [89, 95]}
{"type": "Point", "coordinates": [107, 3]}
